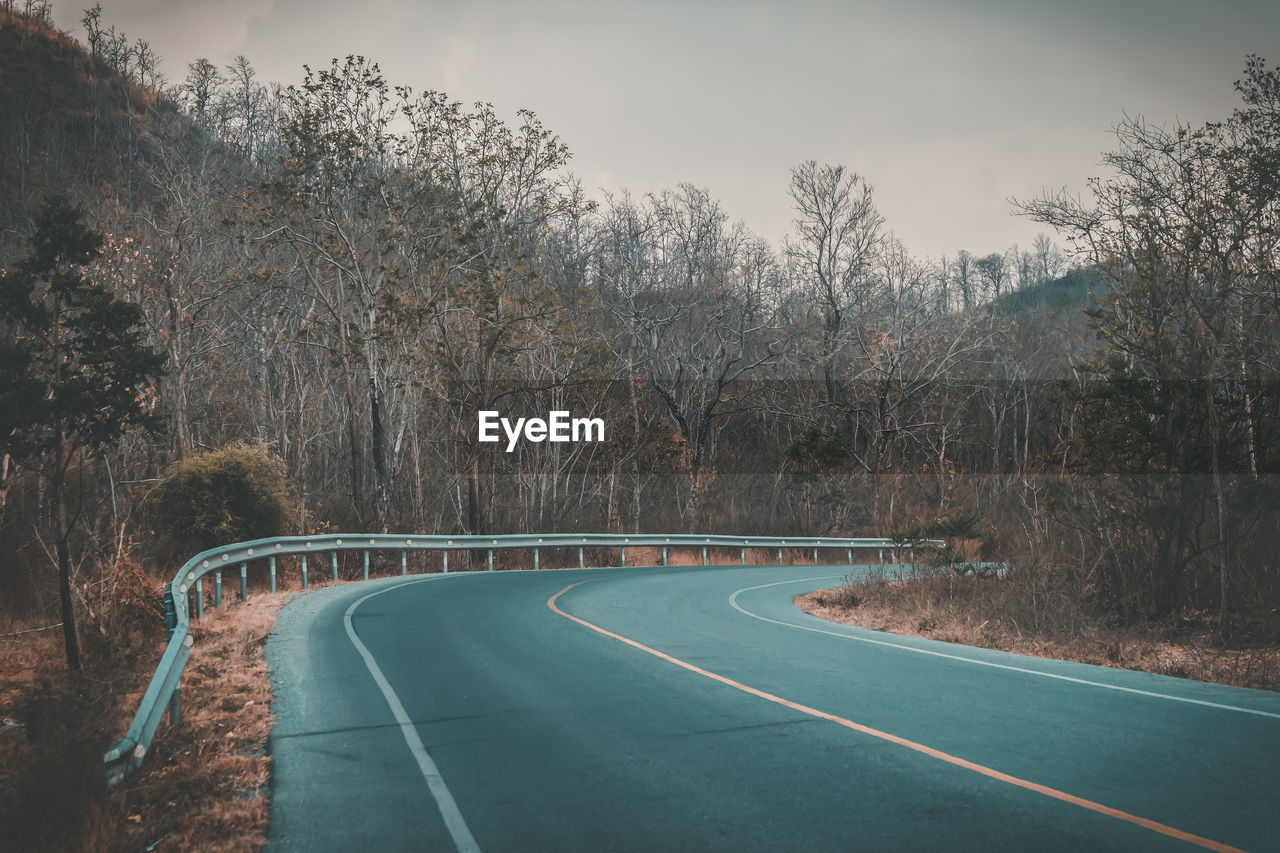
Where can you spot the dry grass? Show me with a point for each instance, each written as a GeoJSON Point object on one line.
{"type": "Point", "coordinates": [202, 787]}
{"type": "Point", "coordinates": [1032, 614]}
{"type": "Point", "coordinates": [52, 732]}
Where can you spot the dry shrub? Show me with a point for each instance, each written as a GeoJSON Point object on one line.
{"type": "Point", "coordinates": [234, 494]}
{"type": "Point", "coordinates": [124, 606]}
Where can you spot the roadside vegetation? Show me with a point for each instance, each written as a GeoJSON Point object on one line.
{"type": "Point", "coordinates": [205, 785]}
{"type": "Point", "coordinates": [317, 288]}
{"type": "Point", "coordinates": [1045, 610]}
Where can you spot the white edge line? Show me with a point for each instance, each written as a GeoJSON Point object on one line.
{"type": "Point", "coordinates": [453, 820]}
{"type": "Point", "coordinates": [733, 600]}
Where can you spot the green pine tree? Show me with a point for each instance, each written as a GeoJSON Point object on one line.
{"type": "Point", "coordinates": [73, 368]}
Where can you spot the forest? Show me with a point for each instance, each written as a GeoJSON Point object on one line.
{"type": "Point", "coordinates": [347, 271]}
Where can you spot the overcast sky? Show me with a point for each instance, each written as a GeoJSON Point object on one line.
{"type": "Point", "coordinates": [947, 108]}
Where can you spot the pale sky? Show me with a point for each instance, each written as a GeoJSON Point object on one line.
{"type": "Point", "coordinates": [948, 109]}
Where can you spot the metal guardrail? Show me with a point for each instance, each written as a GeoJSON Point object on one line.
{"type": "Point", "coordinates": [163, 694]}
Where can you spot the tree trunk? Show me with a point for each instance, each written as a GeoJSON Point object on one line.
{"type": "Point", "coordinates": [353, 440]}
{"type": "Point", "coordinates": [6, 464]}
{"type": "Point", "coordinates": [692, 508]}
{"type": "Point", "coordinates": [379, 454]}
{"type": "Point", "coordinates": [69, 639]}
{"type": "Point", "coordinates": [1215, 430]}
{"type": "Point", "coordinates": [636, 435]}
{"type": "Point", "coordinates": [474, 523]}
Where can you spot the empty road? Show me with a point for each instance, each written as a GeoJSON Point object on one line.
{"type": "Point", "coordinates": [699, 709]}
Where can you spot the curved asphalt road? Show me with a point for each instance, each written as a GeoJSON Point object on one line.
{"type": "Point", "coordinates": [698, 709]}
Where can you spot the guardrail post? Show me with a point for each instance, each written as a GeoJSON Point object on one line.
{"type": "Point", "coordinates": [217, 588]}
{"type": "Point", "coordinates": [580, 558]}
{"type": "Point", "coordinates": [175, 706]}
{"type": "Point", "coordinates": [779, 556]}
{"type": "Point", "coordinates": [704, 555]}
{"type": "Point", "coordinates": [624, 556]}
{"type": "Point", "coordinates": [199, 598]}
{"type": "Point", "coordinates": [815, 555]}
{"type": "Point", "coordinates": [490, 559]}
{"type": "Point", "coordinates": [272, 561]}
{"type": "Point", "coordinates": [851, 556]}
{"type": "Point", "coordinates": [444, 561]}
{"type": "Point", "coordinates": [244, 581]}
{"type": "Point", "coordinates": [743, 556]}
{"type": "Point", "coordinates": [404, 563]}
{"type": "Point", "coordinates": [171, 625]}
{"type": "Point", "coordinates": [366, 565]}
{"type": "Point", "coordinates": [664, 555]}
{"type": "Point", "coordinates": [170, 613]}
{"type": "Point", "coordinates": [302, 562]}
{"type": "Point", "coordinates": [333, 559]}
{"type": "Point", "coordinates": [882, 556]}
{"type": "Point", "coordinates": [535, 559]}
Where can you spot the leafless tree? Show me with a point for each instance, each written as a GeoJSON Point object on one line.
{"type": "Point", "coordinates": [836, 241]}
{"type": "Point", "coordinates": [993, 270]}
{"type": "Point", "coordinates": [1185, 232]}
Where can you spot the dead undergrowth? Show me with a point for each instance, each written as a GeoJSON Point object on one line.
{"type": "Point", "coordinates": [202, 787]}
{"type": "Point", "coordinates": [1036, 615]}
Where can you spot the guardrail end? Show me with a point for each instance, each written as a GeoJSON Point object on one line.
{"type": "Point", "coordinates": [118, 761]}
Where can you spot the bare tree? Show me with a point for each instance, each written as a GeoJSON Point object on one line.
{"type": "Point", "coordinates": [625, 260]}
{"type": "Point", "coordinates": [838, 236]}
{"type": "Point", "coordinates": [993, 270]}
{"type": "Point", "coordinates": [704, 320]}
{"type": "Point", "coordinates": [963, 274]}
{"type": "Point", "coordinates": [1048, 260]}
{"type": "Point", "coordinates": [92, 22]}
{"type": "Point", "coordinates": [1185, 232]}
{"type": "Point", "coordinates": [246, 112]}
{"type": "Point", "coordinates": [200, 91]}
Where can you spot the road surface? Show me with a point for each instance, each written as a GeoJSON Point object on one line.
{"type": "Point", "coordinates": [699, 709]}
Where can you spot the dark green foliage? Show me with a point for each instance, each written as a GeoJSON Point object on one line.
{"type": "Point", "coordinates": [950, 528]}
{"type": "Point", "coordinates": [74, 367]}
{"type": "Point", "coordinates": [818, 450]}
{"type": "Point", "coordinates": [230, 495]}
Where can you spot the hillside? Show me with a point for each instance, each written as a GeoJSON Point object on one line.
{"type": "Point", "coordinates": [69, 123]}
{"type": "Point", "coordinates": [1069, 294]}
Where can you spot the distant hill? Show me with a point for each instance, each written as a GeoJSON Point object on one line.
{"type": "Point", "coordinates": [1070, 294]}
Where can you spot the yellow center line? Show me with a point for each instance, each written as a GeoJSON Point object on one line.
{"type": "Point", "coordinates": [1146, 823]}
